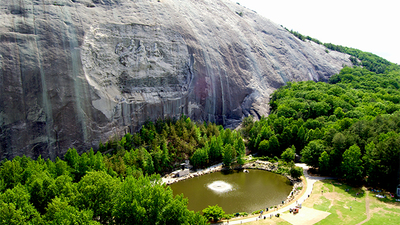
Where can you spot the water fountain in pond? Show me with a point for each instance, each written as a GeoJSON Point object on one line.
{"type": "Point", "coordinates": [234, 192]}
{"type": "Point", "coordinates": [220, 186]}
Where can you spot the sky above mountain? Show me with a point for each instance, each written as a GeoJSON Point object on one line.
{"type": "Point", "coordinates": [370, 26]}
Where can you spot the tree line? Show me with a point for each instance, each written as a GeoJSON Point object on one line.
{"type": "Point", "coordinates": [349, 127]}
{"type": "Point", "coordinates": [367, 60]}
{"type": "Point", "coordinates": [45, 192]}
{"type": "Point", "coordinates": [120, 183]}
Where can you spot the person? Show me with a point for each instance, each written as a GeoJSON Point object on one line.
{"type": "Point", "coordinates": [351, 208]}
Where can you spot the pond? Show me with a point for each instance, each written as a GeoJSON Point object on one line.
{"type": "Point", "coordinates": [234, 191]}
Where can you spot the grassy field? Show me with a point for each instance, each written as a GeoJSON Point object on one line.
{"type": "Point", "coordinates": [350, 205]}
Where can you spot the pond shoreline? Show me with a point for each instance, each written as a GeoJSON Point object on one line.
{"type": "Point", "coordinates": [259, 165]}
{"type": "Point", "coordinates": [273, 167]}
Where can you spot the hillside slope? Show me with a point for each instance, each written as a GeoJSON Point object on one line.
{"type": "Point", "coordinates": [74, 72]}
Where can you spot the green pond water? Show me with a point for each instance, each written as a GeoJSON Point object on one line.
{"type": "Point", "coordinates": [235, 191]}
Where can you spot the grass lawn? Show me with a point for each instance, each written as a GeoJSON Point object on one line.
{"type": "Point", "coordinates": [383, 211]}
{"type": "Point", "coordinates": [346, 207]}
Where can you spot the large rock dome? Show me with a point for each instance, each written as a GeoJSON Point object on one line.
{"type": "Point", "coordinates": [75, 72]}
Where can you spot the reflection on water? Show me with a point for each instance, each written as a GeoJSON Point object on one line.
{"type": "Point", "coordinates": [239, 192]}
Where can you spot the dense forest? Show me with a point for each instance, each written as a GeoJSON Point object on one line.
{"type": "Point", "coordinates": [120, 184]}
{"type": "Point", "coordinates": [348, 127]}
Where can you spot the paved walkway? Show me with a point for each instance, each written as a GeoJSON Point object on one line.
{"type": "Point", "coordinates": [306, 216]}
{"type": "Point", "coordinates": [310, 184]}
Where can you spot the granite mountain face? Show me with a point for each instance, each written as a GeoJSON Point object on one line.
{"type": "Point", "coordinates": [74, 72]}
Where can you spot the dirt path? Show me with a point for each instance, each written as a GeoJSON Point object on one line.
{"type": "Point", "coordinates": [366, 209]}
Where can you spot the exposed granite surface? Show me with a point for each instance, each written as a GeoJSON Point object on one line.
{"type": "Point", "coordinates": [74, 72]}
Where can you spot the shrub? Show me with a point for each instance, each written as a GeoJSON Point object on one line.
{"type": "Point", "coordinates": [213, 212]}
{"type": "Point", "coordinates": [296, 172]}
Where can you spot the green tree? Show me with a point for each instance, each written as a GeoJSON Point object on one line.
{"type": "Point", "coordinates": [384, 160]}
{"type": "Point", "coordinates": [227, 137]}
{"type": "Point", "coordinates": [146, 160]}
{"type": "Point", "coordinates": [9, 214]}
{"type": "Point", "coordinates": [65, 188]}
{"type": "Point", "coordinates": [15, 207]}
{"type": "Point", "coordinates": [371, 162]}
{"type": "Point", "coordinates": [286, 111]}
{"type": "Point", "coordinates": [11, 173]}
{"type": "Point", "coordinates": [240, 150]}
{"type": "Point", "coordinates": [324, 163]}
{"type": "Point", "coordinates": [312, 152]}
{"type": "Point", "coordinates": [157, 158]}
{"type": "Point", "coordinates": [42, 191]}
{"type": "Point", "coordinates": [263, 148]}
{"type": "Point", "coordinates": [60, 168]}
{"type": "Point", "coordinates": [285, 139]}
{"type": "Point", "coordinates": [319, 109]}
{"type": "Point", "coordinates": [72, 158]}
{"type": "Point", "coordinates": [339, 113]}
{"type": "Point", "coordinates": [300, 138]}
{"type": "Point", "coordinates": [216, 148]}
{"type": "Point", "coordinates": [352, 164]}
{"type": "Point", "coordinates": [200, 158]}
{"type": "Point", "coordinates": [274, 146]}
{"type": "Point", "coordinates": [213, 213]}
{"type": "Point", "coordinates": [146, 201]}
{"type": "Point", "coordinates": [165, 159]}
{"type": "Point", "coordinates": [60, 212]}
{"type": "Point", "coordinates": [228, 154]}
{"type": "Point", "coordinates": [96, 161]}
{"type": "Point", "coordinates": [296, 172]}
{"type": "Point", "coordinates": [96, 194]}
{"type": "Point", "coordinates": [289, 154]}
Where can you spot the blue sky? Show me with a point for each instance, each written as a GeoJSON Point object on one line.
{"type": "Point", "coordinates": [371, 26]}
